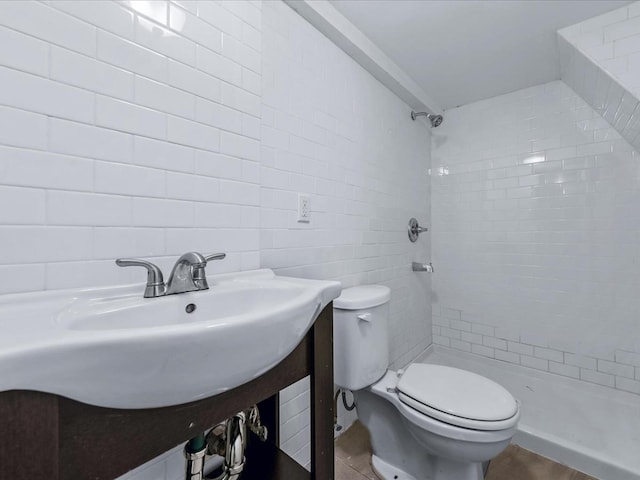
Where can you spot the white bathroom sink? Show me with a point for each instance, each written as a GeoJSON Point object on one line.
{"type": "Point", "coordinates": [113, 348]}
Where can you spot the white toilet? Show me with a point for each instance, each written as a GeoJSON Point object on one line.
{"type": "Point", "coordinates": [429, 422]}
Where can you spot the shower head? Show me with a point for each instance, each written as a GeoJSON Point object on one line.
{"type": "Point", "coordinates": [434, 119]}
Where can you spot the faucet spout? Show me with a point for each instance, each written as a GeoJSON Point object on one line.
{"type": "Point", "coordinates": [422, 267]}
{"type": "Point", "coordinates": [182, 276]}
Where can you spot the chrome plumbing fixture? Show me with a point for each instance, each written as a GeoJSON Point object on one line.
{"type": "Point", "coordinates": [194, 452]}
{"type": "Point", "coordinates": [414, 230]}
{"type": "Point", "coordinates": [155, 281]}
{"type": "Point", "coordinates": [229, 440]}
{"type": "Point", "coordinates": [188, 274]}
{"type": "Point", "coordinates": [422, 267]}
{"type": "Point", "coordinates": [255, 424]}
{"type": "Point", "coordinates": [433, 118]}
{"type": "Point", "coordinates": [230, 443]}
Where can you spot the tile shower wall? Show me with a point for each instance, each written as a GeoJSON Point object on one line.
{"type": "Point", "coordinates": [331, 130]}
{"type": "Point", "coordinates": [133, 128]}
{"type": "Point", "coordinates": [612, 41]}
{"type": "Point", "coordinates": [585, 68]}
{"type": "Point", "coordinates": [601, 91]}
{"type": "Point", "coordinates": [535, 236]}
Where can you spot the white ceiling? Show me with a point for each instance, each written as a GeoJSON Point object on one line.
{"type": "Point", "coordinates": [463, 51]}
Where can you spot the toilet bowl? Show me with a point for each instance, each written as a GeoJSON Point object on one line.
{"type": "Point", "coordinates": [428, 422]}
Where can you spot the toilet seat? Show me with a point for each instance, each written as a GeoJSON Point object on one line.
{"type": "Point", "coordinates": [457, 397]}
{"type": "Point", "coordinates": [386, 388]}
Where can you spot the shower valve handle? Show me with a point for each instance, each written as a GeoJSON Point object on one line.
{"type": "Point", "coordinates": [415, 229]}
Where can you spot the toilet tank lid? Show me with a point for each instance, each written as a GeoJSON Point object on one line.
{"type": "Point", "coordinates": [363, 296]}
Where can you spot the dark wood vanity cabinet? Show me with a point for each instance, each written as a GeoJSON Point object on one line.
{"type": "Point", "coordinates": [45, 436]}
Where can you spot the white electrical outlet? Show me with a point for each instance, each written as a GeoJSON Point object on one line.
{"type": "Point", "coordinates": [304, 208]}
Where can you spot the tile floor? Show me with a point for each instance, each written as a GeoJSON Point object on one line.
{"type": "Point", "coordinates": [353, 455]}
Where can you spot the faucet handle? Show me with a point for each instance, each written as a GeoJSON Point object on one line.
{"type": "Point", "coordinates": [415, 229]}
{"type": "Point", "coordinates": [199, 275]}
{"type": "Point", "coordinates": [155, 281]}
{"type": "Point", "coordinates": [215, 256]}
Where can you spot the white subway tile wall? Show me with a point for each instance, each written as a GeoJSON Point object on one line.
{"type": "Point", "coordinates": [605, 94]}
{"type": "Point", "coordinates": [331, 130]}
{"type": "Point", "coordinates": [148, 129]}
{"type": "Point", "coordinates": [612, 41]}
{"type": "Point", "coordinates": [535, 236]}
{"type": "Point", "coordinates": [112, 128]}
{"type": "Point", "coordinates": [127, 130]}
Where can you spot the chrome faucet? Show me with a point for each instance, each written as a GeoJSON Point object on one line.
{"type": "Point", "coordinates": [199, 274]}
{"type": "Point", "coordinates": [182, 278]}
{"type": "Point", "coordinates": [188, 274]}
{"type": "Point", "coordinates": [422, 267]}
{"type": "Point", "coordinates": [155, 281]}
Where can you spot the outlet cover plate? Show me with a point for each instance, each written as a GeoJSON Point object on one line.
{"type": "Point", "coordinates": [304, 208]}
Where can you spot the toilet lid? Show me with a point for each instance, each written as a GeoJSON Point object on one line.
{"type": "Point", "coordinates": [458, 397]}
{"type": "Point", "coordinates": [363, 296]}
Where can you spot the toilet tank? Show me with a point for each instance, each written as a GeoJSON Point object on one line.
{"type": "Point", "coordinates": [361, 336]}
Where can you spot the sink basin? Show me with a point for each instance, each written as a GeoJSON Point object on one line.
{"type": "Point", "coordinates": [111, 347]}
